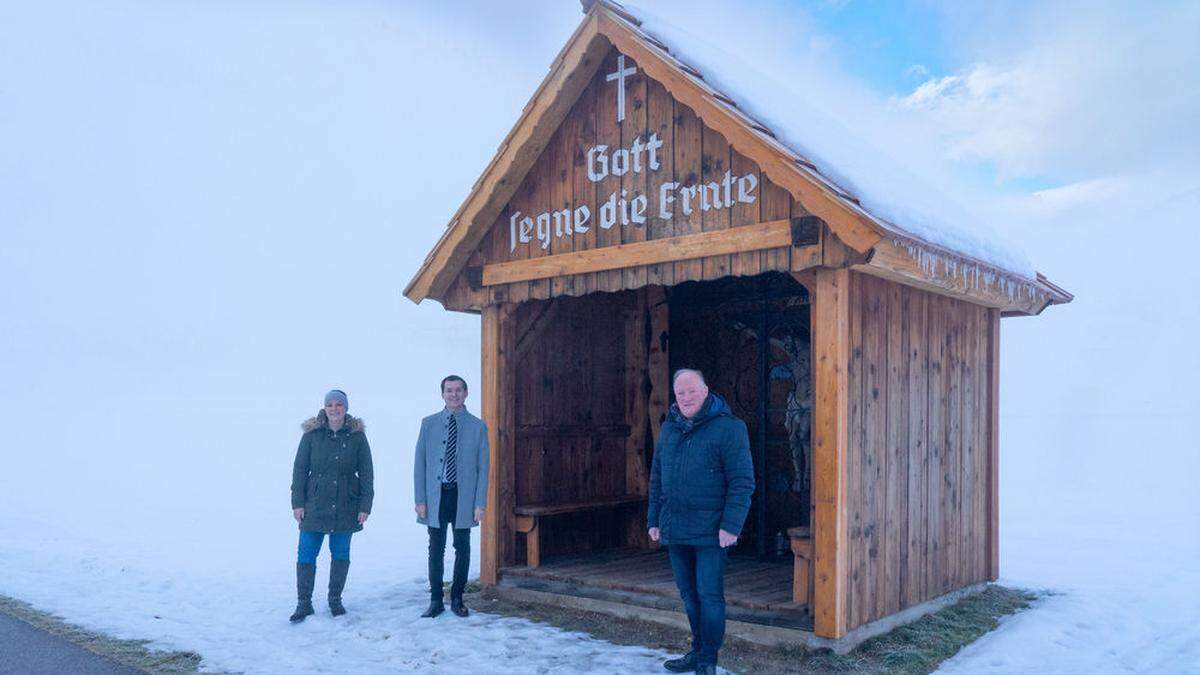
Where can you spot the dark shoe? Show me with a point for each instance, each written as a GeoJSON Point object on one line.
{"type": "Point", "coordinates": [306, 575]}
{"type": "Point", "coordinates": [435, 607]}
{"type": "Point", "coordinates": [457, 606]}
{"type": "Point", "coordinates": [686, 664]}
{"type": "Point", "coordinates": [706, 669]}
{"type": "Point", "coordinates": [338, 570]}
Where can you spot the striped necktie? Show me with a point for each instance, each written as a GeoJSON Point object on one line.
{"type": "Point", "coordinates": [451, 467]}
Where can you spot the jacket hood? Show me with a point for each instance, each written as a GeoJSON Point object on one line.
{"type": "Point", "coordinates": [354, 424]}
{"type": "Point", "coordinates": [714, 406]}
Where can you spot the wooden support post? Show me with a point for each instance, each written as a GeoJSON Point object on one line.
{"type": "Point", "coordinates": [496, 536]}
{"type": "Point", "coordinates": [528, 525]}
{"type": "Point", "coordinates": [831, 351]}
{"type": "Point", "coordinates": [993, 449]}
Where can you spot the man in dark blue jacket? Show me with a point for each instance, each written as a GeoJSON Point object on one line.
{"type": "Point", "coordinates": [700, 488]}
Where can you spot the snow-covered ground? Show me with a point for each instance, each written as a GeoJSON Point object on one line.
{"type": "Point", "coordinates": [1123, 597]}
{"type": "Point", "coordinates": [231, 607]}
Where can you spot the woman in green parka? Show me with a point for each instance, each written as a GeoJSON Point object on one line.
{"type": "Point", "coordinates": [333, 485]}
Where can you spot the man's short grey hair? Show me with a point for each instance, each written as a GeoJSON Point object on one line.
{"type": "Point", "coordinates": [695, 372]}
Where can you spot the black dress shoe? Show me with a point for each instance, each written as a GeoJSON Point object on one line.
{"type": "Point", "coordinates": [686, 664]}
{"type": "Point", "coordinates": [435, 608]}
{"type": "Point", "coordinates": [458, 607]}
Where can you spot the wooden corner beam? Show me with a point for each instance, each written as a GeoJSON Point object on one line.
{"type": "Point", "coordinates": [831, 354]}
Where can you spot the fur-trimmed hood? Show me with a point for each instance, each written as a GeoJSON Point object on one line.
{"type": "Point", "coordinates": [354, 424]}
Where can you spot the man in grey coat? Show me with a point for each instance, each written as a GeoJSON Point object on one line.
{"type": "Point", "coordinates": [450, 482]}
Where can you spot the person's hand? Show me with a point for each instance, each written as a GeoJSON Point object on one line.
{"type": "Point", "coordinates": [420, 509]}
{"type": "Point", "coordinates": [478, 515]}
{"type": "Point", "coordinates": [725, 539]}
{"type": "Point", "coordinates": [298, 514]}
{"type": "Point", "coordinates": [362, 517]}
{"type": "Point", "coordinates": [654, 534]}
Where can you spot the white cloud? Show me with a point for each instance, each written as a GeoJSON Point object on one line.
{"type": "Point", "coordinates": [917, 70]}
{"type": "Point", "coordinates": [1076, 94]}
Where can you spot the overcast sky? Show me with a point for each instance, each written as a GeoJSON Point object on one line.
{"type": "Point", "coordinates": [209, 209]}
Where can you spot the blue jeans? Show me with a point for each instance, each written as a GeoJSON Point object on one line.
{"type": "Point", "coordinates": [310, 546]}
{"type": "Point", "coordinates": [700, 576]}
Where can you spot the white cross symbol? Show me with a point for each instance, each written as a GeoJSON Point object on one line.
{"type": "Point", "coordinates": [619, 76]}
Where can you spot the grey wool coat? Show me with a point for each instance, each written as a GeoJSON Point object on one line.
{"type": "Point", "coordinates": [472, 454]}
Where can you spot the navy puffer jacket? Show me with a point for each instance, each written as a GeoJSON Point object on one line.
{"type": "Point", "coordinates": [702, 477]}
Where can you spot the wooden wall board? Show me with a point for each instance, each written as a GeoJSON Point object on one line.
{"type": "Point", "coordinates": [969, 538]}
{"type": "Point", "coordinates": [688, 155]}
{"type": "Point", "coordinates": [873, 450]}
{"type": "Point", "coordinates": [661, 122]}
{"type": "Point", "coordinates": [951, 459]}
{"type": "Point", "coordinates": [635, 185]}
{"type": "Point", "coordinates": [937, 445]}
{"type": "Point", "coordinates": [562, 197]}
{"type": "Point", "coordinates": [776, 203]}
{"type": "Point", "coordinates": [637, 407]}
{"type": "Point", "coordinates": [981, 439]}
{"type": "Point", "coordinates": [608, 132]}
{"type": "Point", "coordinates": [714, 162]}
{"type": "Point", "coordinates": [916, 343]}
{"type": "Point", "coordinates": [745, 264]}
{"type": "Point", "coordinates": [895, 546]}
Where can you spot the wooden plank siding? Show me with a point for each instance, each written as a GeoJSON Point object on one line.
{"type": "Point", "coordinates": [919, 387]}
{"type": "Point", "coordinates": [692, 154]}
{"type": "Point", "coordinates": [580, 414]}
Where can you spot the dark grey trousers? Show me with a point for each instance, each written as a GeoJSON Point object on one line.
{"type": "Point", "coordinates": [437, 548]}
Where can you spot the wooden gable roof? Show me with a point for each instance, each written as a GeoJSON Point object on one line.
{"type": "Point", "coordinates": [870, 244]}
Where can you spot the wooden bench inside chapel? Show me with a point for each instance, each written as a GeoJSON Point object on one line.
{"type": "Point", "coordinates": [529, 516]}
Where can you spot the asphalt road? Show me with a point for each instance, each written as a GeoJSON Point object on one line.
{"type": "Point", "coordinates": [28, 650]}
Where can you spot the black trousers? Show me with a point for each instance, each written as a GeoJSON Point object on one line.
{"type": "Point", "coordinates": [447, 511]}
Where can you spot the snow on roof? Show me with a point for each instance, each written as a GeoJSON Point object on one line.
{"type": "Point", "coordinates": [884, 189]}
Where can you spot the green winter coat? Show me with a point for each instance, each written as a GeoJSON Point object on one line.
{"type": "Point", "coordinates": [332, 477]}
